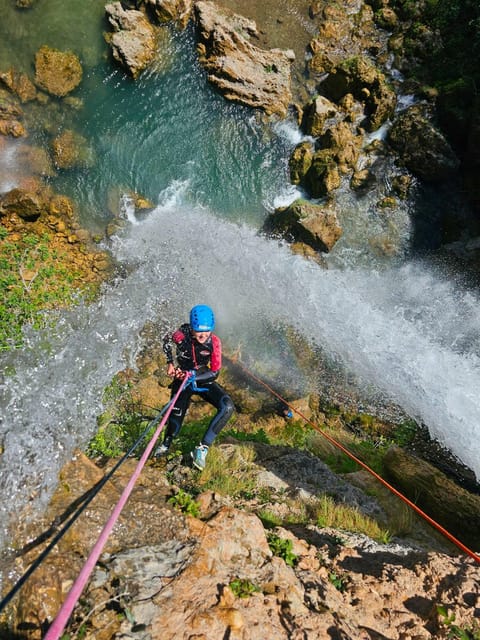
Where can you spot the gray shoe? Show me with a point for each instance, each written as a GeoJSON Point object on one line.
{"type": "Point", "coordinates": [162, 449]}
{"type": "Point", "coordinates": [199, 456]}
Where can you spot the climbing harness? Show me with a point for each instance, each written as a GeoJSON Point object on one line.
{"type": "Point", "coordinates": [400, 495]}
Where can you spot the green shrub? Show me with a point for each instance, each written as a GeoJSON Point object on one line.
{"type": "Point", "coordinates": [185, 503]}
{"type": "Point", "coordinates": [282, 548]}
{"type": "Point", "coordinates": [243, 588]}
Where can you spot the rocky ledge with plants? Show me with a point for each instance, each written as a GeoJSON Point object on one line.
{"type": "Point", "coordinates": [280, 536]}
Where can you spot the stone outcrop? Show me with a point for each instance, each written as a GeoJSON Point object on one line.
{"type": "Point", "coordinates": [134, 41]}
{"type": "Point", "coordinates": [317, 114]}
{"type": "Point", "coordinates": [422, 148]}
{"type": "Point", "coordinates": [57, 72]}
{"type": "Point", "coordinates": [310, 223]}
{"type": "Point", "coordinates": [219, 577]}
{"type": "Point", "coordinates": [239, 70]}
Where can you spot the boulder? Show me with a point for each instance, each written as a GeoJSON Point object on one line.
{"type": "Point", "coordinates": [316, 114]}
{"type": "Point", "coordinates": [70, 150]}
{"type": "Point", "coordinates": [26, 204]}
{"type": "Point", "coordinates": [323, 176]}
{"type": "Point", "coordinates": [241, 71]}
{"type": "Point", "coordinates": [434, 493]}
{"type": "Point", "coordinates": [300, 162]}
{"type": "Point", "coordinates": [178, 11]}
{"type": "Point", "coordinates": [134, 41]}
{"type": "Point", "coordinates": [57, 72]}
{"type": "Point", "coordinates": [343, 145]}
{"type": "Point", "coordinates": [306, 222]}
{"type": "Point", "coordinates": [365, 82]}
{"type": "Point", "coordinates": [422, 148]}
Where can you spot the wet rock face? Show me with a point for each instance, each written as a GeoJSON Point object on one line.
{"type": "Point", "coordinates": [57, 72]}
{"type": "Point", "coordinates": [434, 492]}
{"type": "Point", "coordinates": [241, 71]}
{"type": "Point", "coordinates": [359, 77]}
{"type": "Point", "coordinates": [134, 39]}
{"type": "Point", "coordinates": [316, 226]}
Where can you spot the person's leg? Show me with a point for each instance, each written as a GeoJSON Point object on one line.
{"type": "Point", "coordinates": [219, 398]}
{"type": "Point", "coordinates": [225, 407]}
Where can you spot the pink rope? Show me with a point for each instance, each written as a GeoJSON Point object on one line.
{"type": "Point", "coordinates": [75, 592]}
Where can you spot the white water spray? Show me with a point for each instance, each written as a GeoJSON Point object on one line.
{"type": "Point", "coordinates": [403, 330]}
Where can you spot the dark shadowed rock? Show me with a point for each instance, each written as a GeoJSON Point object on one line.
{"type": "Point", "coordinates": [422, 148]}
{"type": "Point", "coordinates": [431, 490]}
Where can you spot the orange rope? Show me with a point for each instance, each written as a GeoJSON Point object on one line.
{"type": "Point", "coordinates": [425, 516]}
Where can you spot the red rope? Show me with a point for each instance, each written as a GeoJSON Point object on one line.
{"type": "Point", "coordinates": [421, 513]}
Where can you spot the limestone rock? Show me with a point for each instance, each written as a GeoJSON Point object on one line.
{"type": "Point", "coordinates": [316, 114]}
{"type": "Point", "coordinates": [57, 72]}
{"type": "Point", "coordinates": [343, 145]}
{"type": "Point", "coordinates": [171, 10]}
{"type": "Point", "coordinates": [365, 82]}
{"type": "Point", "coordinates": [323, 175]}
{"type": "Point", "coordinates": [241, 71]}
{"type": "Point", "coordinates": [310, 223]}
{"type": "Point", "coordinates": [134, 41]}
{"type": "Point", "coordinates": [422, 148]}
{"type": "Point", "coordinates": [300, 162]}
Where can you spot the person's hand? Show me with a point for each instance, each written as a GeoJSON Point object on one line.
{"type": "Point", "coordinates": [171, 370]}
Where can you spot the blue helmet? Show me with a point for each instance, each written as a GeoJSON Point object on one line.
{"type": "Point", "coordinates": [202, 318]}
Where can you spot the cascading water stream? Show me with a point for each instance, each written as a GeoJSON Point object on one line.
{"type": "Point", "coordinates": [410, 334]}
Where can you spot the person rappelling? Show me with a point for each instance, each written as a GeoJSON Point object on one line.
{"type": "Point", "coordinates": [198, 356]}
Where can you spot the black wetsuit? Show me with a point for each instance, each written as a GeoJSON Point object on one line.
{"type": "Point", "coordinates": [206, 360]}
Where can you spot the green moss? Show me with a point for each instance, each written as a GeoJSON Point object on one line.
{"type": "Point", "coordinates": [32, 280]}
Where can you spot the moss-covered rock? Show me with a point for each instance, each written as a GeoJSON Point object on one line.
{"type": "Point", "coordinates": [306, 222]}
{"type": "Point", "coordinates": [361, 78]}
{"type": "Point", "coordinates": [57, 72]}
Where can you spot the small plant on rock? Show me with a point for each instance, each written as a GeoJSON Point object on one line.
{"type": "Point", "coordinates": [282, 548]}
{"type": "Point", "coordinates": [243, 588]}
{"type": "Point", "coordinates": [185, 503]}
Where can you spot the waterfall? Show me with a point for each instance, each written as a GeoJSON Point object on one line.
{"type": "Point", "coordinates": [403, 329]}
